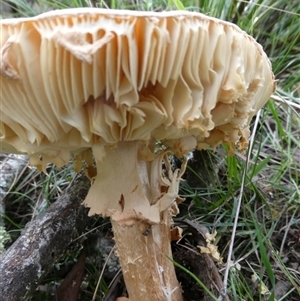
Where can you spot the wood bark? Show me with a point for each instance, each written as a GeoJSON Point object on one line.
{"type": "Point", "coordinates": [11, 167]}
{"type": "Point", "coordinates": [42, 242]}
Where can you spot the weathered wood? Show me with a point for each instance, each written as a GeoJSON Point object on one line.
{"type": "Point", "coordinates": [11, 166]}
{"type": "Point", "coordinates": [42, 242]}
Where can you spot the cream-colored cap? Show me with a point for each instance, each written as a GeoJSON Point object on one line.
{"type": "Point", "coordinates": [72, 79]}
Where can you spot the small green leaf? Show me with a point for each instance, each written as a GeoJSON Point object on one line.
{"type": "Point", "coordinates": [177, 3]}
{"type": "Point", "coordinates": [260, 166]}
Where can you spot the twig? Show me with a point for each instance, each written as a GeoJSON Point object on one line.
{"type": "Point", "coordinates": [287, 102]}
{"type": "Point", "coordinates": [111, 295]}
{"type": "Point", "coordinates": [101, 274]}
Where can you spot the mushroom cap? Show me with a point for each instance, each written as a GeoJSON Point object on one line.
{"type": "Point", "coordinates": [72, 79]}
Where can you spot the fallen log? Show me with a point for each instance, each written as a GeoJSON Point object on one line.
{"type": "Point", "coordinates": [42, 242]}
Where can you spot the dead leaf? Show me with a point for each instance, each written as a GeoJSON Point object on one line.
{"type": "Point", "coordinates": [70, 287]}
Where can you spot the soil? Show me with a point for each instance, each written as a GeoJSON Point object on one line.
{"type": "Point", "coordinates": [195, 263]}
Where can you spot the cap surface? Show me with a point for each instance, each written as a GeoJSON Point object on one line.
{"type": "Point", "coordinates": [74, 78]}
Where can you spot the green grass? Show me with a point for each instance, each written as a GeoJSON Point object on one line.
{"type": "Point", "coordinates": [264, 185]}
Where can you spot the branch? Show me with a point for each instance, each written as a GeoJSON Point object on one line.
{"type": "Point", "coordinates": [11, 167]}
{"type": "Point", "coordinates": [42, 242]}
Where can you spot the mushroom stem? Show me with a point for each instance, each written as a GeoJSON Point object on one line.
{"type": "Point", "coordinates": [148, 273]}
{"type": "Point", "coordinates": [132, 190]}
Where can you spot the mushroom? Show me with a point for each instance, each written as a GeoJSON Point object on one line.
{"type": "Point", "coordinates": [127, 89]}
